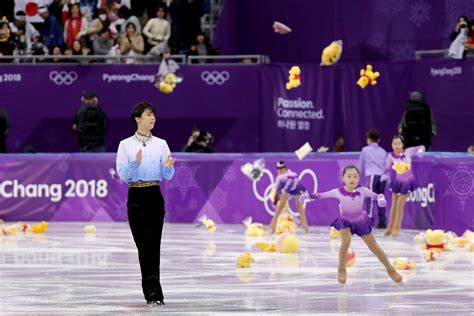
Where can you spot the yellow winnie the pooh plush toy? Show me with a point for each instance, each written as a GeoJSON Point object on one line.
{"type": "Point", "coordinates": [331, 53]}
{"type": "Point", "coordinates": [244, 260]}
{"type": "Point", "coordinates": [367, 77]}
{"type": "Point", "coordinates": [294, 79]}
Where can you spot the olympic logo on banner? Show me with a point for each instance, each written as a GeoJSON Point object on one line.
{"type": "Point", "coordinates": [215, 77]}
{"type": "Point", "coordinates": [63, 77]}
{"type": "Point", "coordinates": [267, 193]}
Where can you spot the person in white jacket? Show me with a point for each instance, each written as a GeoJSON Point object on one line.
{"type": "Point", "coordinates": [158, 32]}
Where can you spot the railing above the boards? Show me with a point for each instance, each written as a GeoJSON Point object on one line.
{"type": "Point", "coordinates": [100, 59]}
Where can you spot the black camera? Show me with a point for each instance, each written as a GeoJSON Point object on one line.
{"type": "Point", "coordinates": [463, 25]}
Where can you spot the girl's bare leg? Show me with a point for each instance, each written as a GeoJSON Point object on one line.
{"type": "Point", "coordinates": [345, 244]}
{"type": "Point", "coordinates": [280, 205]}
{"type": "Point", "coordinates": [376, 250]}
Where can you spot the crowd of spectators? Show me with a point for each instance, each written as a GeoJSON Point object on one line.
{"type": "Point", "coordinates": [118, 28]}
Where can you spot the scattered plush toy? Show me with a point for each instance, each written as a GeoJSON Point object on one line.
{"type": "Point", "coordinates": [404, 264]}
{"type": "Point", "coordinates": [470, 247]}
{"type": "Point", "coordinates": [401, 167]}
{"type": "Point", "coordinates": [450, 241]}
{"type": "Point", "coordinates": [23, 227]}
{"type": "Point", "coordinates": [468, 235]}
{"type": "Point", "coordinates": [244, 260]}
{"type": "Point", "coordinates": [420, 238]}
{"type": "Point", "coordinates": [461, 242]}
{"type": "Point", "coordinates": [434, 244]}
{"type": "Point", "coordinates": [367, 77]}
{"type": "Point", "coordinates": [39, 228]}
{"type": "Point", "coordinates": [281, 28]}
{"type": "Point", "coordinates": [322, 149]}
{"type": "Point", "coordinates": [294, 79]}
{"type": "Point", "coordinates": [285, 223]}
{"type": "Point", "coordinates": [208, 223]}
{"type": "Point", "coordinates": [331, 54]}
{"type": "Point", "coordinates": [254, 229]}
{"type": "Point", "coordinates": [334, 233]}
{"type": "Point", "coordinates": [90, 229]}
{"type": "Point", "coordinates": [303, 151]}
{"type": "Point", "coordinates": [166, 78]}
{"type": "Point", "coordinates": [287, 243]}
{"type": "Point", "coordinates": [265, 247]}
{"type": "Point", "coordinates": [9, 230]}
{"type": "Point", "coordinates": [254, 170]}
{"type": "Point", "coordinates": [351, 258]}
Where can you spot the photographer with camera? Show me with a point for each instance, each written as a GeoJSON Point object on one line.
{"type": "Point", "coordinates": [90, 124]}
{"type": "Point", "coordinates": [199, 142]}
{"type": "Point", "coordinates": [462, 23]}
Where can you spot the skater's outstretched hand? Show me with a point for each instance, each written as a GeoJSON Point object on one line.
{"type": "Point", "coordinates": [169, 162]}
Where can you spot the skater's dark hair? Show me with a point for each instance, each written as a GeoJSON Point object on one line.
{"type": "Point", "coordinates": [400, 137]}
{"type": "Point", "coordinates": [281, 165]}
{"type": "Point", "coordinates": [139, 109]}
{"type": "Point", "coordinates": [350, 167]}
{"type": "Point", "coordinates": [373, 135]}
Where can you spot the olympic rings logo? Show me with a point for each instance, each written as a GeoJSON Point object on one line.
{"type": "Point", "coordinates": [266, 197]}
{"type": "Point", "coordinates": [63, 77]}
{"type": "Point", "coordinates": [215, 77]}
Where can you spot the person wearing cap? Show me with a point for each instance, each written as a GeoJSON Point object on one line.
{"type": "Point", "coordinates": [288, 186]}
{"type": "Point", "coordinates": [90, 124]}
{"type": "Point", "coordinates": [20, 22]}
{"type": "Point", "coordinates": [143, 161]}
{"type": "Point", "coordinates": [51, 31]}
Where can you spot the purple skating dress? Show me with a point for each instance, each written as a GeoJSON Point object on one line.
{"type": "Point", "coordinates": [402, 183]}
{"type": "Point", "coordinates": [288, 183]}
{"type": "Point", "coordinates": [351, 209]}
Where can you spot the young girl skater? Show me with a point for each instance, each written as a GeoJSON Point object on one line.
{"type": "Point", "coordinates": [354, 220]}
{"type": "Point", "coordinates": [288, 186]}
{"type": "Point", "coordinates": [402, 181]}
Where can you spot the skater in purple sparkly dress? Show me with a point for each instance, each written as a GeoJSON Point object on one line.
{"type": "Point", "coordinates": [402, 181]}
{"type": "Point", "coordinates": [288, 186]}
{"type": "Point", "coordinates": [354, 220]}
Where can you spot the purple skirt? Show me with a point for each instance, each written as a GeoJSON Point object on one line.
{"type": "Point", "coordinates": [296, 190]}
{"type": "Point", "coordinates": [360, 226]}
{"type": "Point", "coordinates": [403, 186]}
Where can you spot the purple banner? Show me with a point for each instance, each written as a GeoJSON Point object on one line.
{"type": "Point", "coordinates": [247, 108]}
{"type": "Point", "coordinates": [81, 187]}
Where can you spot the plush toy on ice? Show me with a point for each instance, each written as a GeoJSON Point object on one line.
{"type": "Point", "coordinates": [331, 53]}
{"type": "Point", "coordinates": [404, 264]}
{"type": "Point", "coordinates": [166, 78]}
{"type": "Point", "coordinates": [208, 223]}
{"type": "Point", "coordinates": [266, 247]}
{"type": "Point", "coordinates": [287, 243]}
{"type": "Point", "coordinates": [90, 229]}
{"type": "Point", "coordinates": [285, 223]}
{"type": "Point", "coordinates": [254, 170]}
{"type": "Point", "coordinates": [434, 244]}
{"type": "Point", "coordinates": [294, 79]}
{"type": "Point", "coordinates": [39, 228]}
{"type": "Point", "coordinates": [367, 77]}
{"type": "Point", "coordinates": [254, 229]}
{"type": "Point", "coordinates": [244, 260]}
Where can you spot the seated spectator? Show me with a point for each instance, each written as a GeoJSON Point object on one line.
{"type": "Point", "coordinates": [201, 48]}
{"type": "Point", "coordinates": [470, 36]}
{"type": "Point", "coordinates": [22, 44]}
{"type": "Point", "coordinates": [102, 44]}
{"type": "Point", "coordinates": [462, 22]}
{"type": "Point", "coordinates": [38, 48]}
{"type": "Point", "coordinates": [6, 40]}
{"type": "Point", "coordinates": [57, 51]}
{"type": "Point", "coordinates": [77, 50]}
{"type": "Point", "coordinates": [125, 14]}
{"type": "Point", "coordinates": [100, 22]}
{"type": "Point", "coordinates": [131, 43]}
{"type": "Point", "coordinates": [158, 32]}
{"type": "Point", "coordinates": [75, 27]}
{"type": "Point", "coordinates": [51, 32]}
{"type": "Point", "coordinates": [20, 21]}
